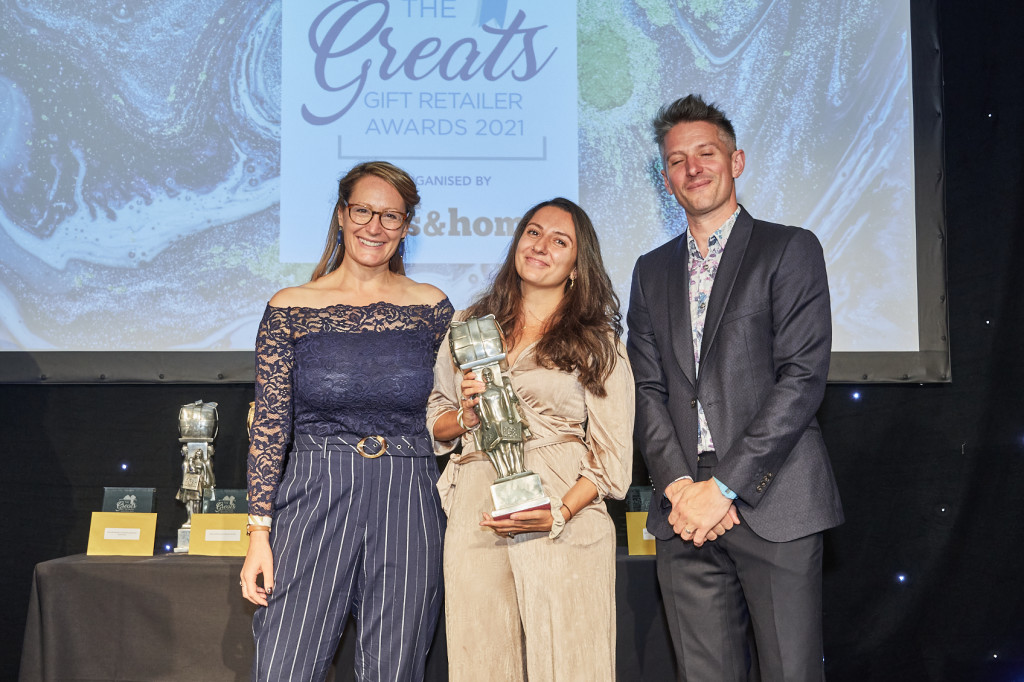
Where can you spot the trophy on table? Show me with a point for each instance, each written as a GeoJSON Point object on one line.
{"type": "Point", "coordinates": [197, 427]}
{"type": "Point", "coordinates": [477, 345]}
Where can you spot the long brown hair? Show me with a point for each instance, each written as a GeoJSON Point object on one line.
{"type": "Point", "coordinates": [334, 250]}
{"type": "Point", "coordinates": [582, 332]}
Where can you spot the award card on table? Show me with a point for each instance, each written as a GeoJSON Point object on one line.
{"type": "Point", "coordinates": [638, 539]}
{"type": "Point", "coordinates": [120, 534]}
{"type": "Point", "coordinates": [638, 501]}
{"type": "Point", "coordinates": [226, 501]}
{"type": "Point", "coordinates": [133, 500]}
{"type": "Point", "coordinates": [219, 535]}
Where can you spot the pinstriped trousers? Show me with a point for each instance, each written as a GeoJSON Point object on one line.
{"type": "Point", "coordinates": [353, 535]}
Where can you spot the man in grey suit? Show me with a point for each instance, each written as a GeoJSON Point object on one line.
{"type": "Point", "coordinates": [729, 336]}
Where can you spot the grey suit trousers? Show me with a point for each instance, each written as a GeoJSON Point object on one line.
{"type": "Point", "coordinates": [742, 608]}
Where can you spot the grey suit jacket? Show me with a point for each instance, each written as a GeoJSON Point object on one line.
{"type": "Point", "coordinates": [764, 362]}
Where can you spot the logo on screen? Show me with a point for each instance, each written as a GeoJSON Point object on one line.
{"type": "Point", "coordinates": [359, 39]}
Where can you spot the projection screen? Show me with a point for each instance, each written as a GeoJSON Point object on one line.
{"type": "Point", "coordinates": [166, 167]}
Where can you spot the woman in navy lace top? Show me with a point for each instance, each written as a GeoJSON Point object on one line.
{"type": "Point", "coordinates": [350, 521]}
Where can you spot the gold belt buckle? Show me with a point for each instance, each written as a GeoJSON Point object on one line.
{"type": "Point", "coordinates": [380, 441]}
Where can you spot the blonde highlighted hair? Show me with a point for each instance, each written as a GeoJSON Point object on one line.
{"type": "Point", "coordinates": [334, 249]}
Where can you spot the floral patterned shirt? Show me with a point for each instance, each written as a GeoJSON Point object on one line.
{"type": "Point", "coordinates": [702, 277]}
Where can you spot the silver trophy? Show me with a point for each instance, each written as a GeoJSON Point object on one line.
{"type": "Point", "coordinates": [477, 345]}
{"type": "Point", "coordinates": [197, 427]}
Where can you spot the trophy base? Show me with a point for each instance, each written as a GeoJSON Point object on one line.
{"type": "Point", "coordinates": [183, 537]}
{"type": "Point", "coordinates": [522, 492]}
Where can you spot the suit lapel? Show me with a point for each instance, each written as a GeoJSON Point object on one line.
{"type": "Point", "coordinates": [678, 303]}
{"type": "Point", "coordinates": [729, 267]}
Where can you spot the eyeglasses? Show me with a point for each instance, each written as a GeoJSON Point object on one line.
{"type": "Point", "coordinates": [390, 219]}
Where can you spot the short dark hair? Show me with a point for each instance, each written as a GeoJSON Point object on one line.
{"type": "Point", "coordinates": [690, 109]}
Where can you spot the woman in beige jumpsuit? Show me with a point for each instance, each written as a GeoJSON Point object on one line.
{"type": "Point", "coordinates": [533, 597]}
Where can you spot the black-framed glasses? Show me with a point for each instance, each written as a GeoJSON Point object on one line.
{"type": "Point", "coordinates": [390, 218]}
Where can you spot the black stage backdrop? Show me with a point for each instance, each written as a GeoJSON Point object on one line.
{"type": "Point", "coordinates": [932, 476]}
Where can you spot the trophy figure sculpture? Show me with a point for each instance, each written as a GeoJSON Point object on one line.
{"type": "Point", "coordinates": [197, 427]}
{"type": "Point", "coordinates": [477, 344]}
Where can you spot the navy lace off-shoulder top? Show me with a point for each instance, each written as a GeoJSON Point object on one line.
{"type": "Point", "coordinates": [360, 370]}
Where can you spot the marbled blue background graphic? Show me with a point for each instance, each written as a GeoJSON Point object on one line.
{"type": "Point", "coordinates": [140, 158]}
{"type": "Point", "coordinates": [138, 173]}
{"type": "Point", "coordinates": [819, 94]}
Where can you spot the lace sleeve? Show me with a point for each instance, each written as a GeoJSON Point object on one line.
{"type": "Point", "coordinates": [445, 396]}
{"type": "Point", "coordinates": [272, 422]}
{"type": "Point", "coordinates": [443, 312]}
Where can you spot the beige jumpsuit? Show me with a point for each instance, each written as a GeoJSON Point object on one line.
{"type": "Point", "coordinates": [532, 607]}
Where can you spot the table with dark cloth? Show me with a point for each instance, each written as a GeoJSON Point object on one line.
{"type": "Point", "coordinates": [178, 617]}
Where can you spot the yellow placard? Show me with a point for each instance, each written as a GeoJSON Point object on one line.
{"type": "Point", "coordinates": [218, 535]}
{"type": "Point", "coordinates": [637, 537]}
{"type": "Point", "coordinates": [122, 534]}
